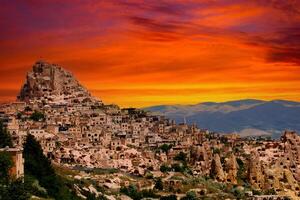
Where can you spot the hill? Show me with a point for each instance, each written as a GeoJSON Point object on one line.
{"type": "Point", "coordinates": [249, 114]}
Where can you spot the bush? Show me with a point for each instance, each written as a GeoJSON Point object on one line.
{"type": "Point", "coordinates": [189, 196]}
{"type": "Point", "coordinates": [37, 116]}
{"type": "Point", "coordinates": [181, 157]}
{"type": "Point", "coordinates": [5, 164]}
{"type": "Point", "coordinates": [241, 173]}
{"type": "Point", "coordinates": [177, 167]}
{"type": "Point", "coordinates": [240, 194]}
{"type": "Point", "coordinates": [5, 138]}
{"type": "Point", "coordinates": [165, 148]}
{"type": "Point", "coordinates": [133, 193]}
{"type": "Point", "coordinates": [33, 187]}
{"type": "Point", "coordinates": [10, 189]}
{"type": "Point", "coordinates": [181, 167]}
{"type": "Point", "coordinates": [159, 184]}
{"type": "Point", "coordinates": [164, 168]}
{"type": "Point", "coordinates": [270, 192]}
{"type": "Point", "coordinates": [256, 192]}
{"type": "Point", "coordinates": [15, 190]}
{"type": "Point", "coordinates": [149, 175]}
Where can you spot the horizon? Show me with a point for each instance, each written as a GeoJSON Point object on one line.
{"type": "Point", "coordinates": [220, 102]}
{"type": "Point", "coordinates": [137, 54]}
{"type": "Point", "coordinates": [13, 98]}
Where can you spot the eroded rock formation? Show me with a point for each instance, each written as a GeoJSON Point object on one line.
{"type": "Point", "coordinates": [51, 83]}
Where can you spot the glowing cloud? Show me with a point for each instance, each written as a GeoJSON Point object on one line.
{"type": "Point", "coordinates": [140, 53]}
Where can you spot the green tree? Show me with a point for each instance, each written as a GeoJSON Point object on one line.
{"type": "Point", "coordinates": [5, 138]}
{"type": "Point", "coordinates": [159, 184]}
{"type": "Point", "coordinates": [181, 157]}
{"type": "Point", "coordinates": [17, 191]}
{"type": "Point", "coordinates": [238, 193]}
{"type": "Point", "coordinates": [270, 192]}
{"type": "Point", "coordinates": [38, 166]}
{"type": "Point", "coordinates": [5, 164]}
{"type": "Point", "coordinates": [165, 148]}
{"type": "Point", "coordinates": [132, 192]}
{"type": "Point", "coordinates": [164, 168]}
{"type": "Point", "coordinates": [10, 189]}
{"type": "Point", "coordinates": [178, 167]}
{"type": "Point", "coordinates": [189, 196]}
{"type": "Point", "coordinates": [241, 173]}
{"type": "Point", "coordinates": [37, 116]}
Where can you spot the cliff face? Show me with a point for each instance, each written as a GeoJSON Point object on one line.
{"type": "Point", "coordinates": [51, 83]}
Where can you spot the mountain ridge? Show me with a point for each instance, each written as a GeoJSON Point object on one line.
{"type": "Point", "coordinates": [235, 116]}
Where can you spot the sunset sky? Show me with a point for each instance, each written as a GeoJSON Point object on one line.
{"type": "Point", "coordinates": [141, 53]}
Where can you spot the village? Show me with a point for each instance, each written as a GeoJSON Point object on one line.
{"type": "Point", "coordinates": [81, 133]}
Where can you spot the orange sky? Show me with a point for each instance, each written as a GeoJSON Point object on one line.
{"type": "Point", "coordinates": [141, 53]}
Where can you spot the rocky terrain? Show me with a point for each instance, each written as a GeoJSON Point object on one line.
{"type": "Point", "coordinates": [51, 83]}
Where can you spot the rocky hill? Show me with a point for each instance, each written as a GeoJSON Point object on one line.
{"type": "Point", "coordinates": [52, 84]}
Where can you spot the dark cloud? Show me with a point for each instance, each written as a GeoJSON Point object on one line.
{"type": "Point", "coordinates": [155, 25]}
{"type": "Point", "coordinates": [158, 30]}
{"type": "Point", "coordinates": [282, 45]}
{"type": "Point", "coordinates": [163, 7]}
{"type": "Point", "coordinates": [287, 46]}
{"type": "Point", "coordinates": [288, 6]}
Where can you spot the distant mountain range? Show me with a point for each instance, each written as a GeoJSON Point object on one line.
{"type": "Point", "coordinates": [247, 117]}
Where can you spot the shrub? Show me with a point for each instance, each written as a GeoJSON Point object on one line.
{"type": "Point", "coordinates": [159, 184]}
{"type": "Point", "coordinates": [37, 116]}
{"type": "Point", "coordinates": [5, 164]}
{"type": "Point", "coordinates": [189, 196]}
{"type": "Point", "coordinates": [181, 157]}
{"type": "Point", "coordinates": [132, 192]}
{"type": "Point", "coordinates": [5, 138]}
{"type": "Point", "coordinates": [164, 168]}
{"type": "Point", "coordinates": [165, 148]}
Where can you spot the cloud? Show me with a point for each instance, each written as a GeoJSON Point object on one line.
{"type": "Point", "coordinates": [282, 45]}
{"type": "Point", "coordinates": [186, 42]}
{"type": "Point", "coordinates": [154, 25]}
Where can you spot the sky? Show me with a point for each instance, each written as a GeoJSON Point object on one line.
{"type": "Point", "coordinates": [140, 53]}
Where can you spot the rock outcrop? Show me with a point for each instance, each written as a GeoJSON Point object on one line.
{"type": "Point", "coordinates": [217, 169]}
{"type": "Point", "coordinates": [231, 169]}
{"type": "Point", "coordinates": [51, 83]}
{"type": "Point", "coordinates": [201, 157]}
{"type": "Point", "coordinates": [255, 172]}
